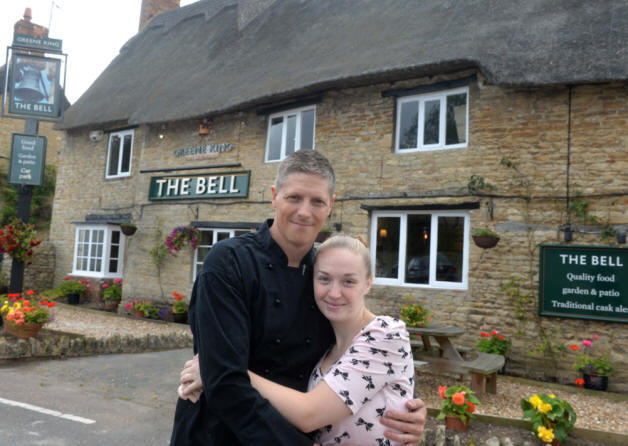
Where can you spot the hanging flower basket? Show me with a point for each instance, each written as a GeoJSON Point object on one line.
{"type": "Point", "coordinates": [128, 229]}
{"type": "Point", "coordinates": [485, 241]}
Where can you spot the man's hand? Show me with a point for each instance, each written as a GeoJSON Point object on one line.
{"type": "Point", "coordinates": [191, 384]}
{"type": "Point", "coordinates": [410, 423]}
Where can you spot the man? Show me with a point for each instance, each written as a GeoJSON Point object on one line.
{"type": "Point", "coordinates": [253, 308]}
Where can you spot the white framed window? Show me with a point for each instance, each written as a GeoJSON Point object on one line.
{"type": "Point", "coordinates": [209, 236]}
{"type": "Point", "coordinates": [98, 251]}
{"type": "Point", "coordinates": [290, 131]}
{"type": "Point", "coordinates": [119, 154]}
{"type": "Point", "coordinates": [433, 121]}
{"type": "Point", "coordinates": [432, 248]}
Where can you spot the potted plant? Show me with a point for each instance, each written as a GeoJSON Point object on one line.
{"type": "Point", "coordinates": [24, 317]}
{"type": "Point", "coordinates": [179, 308]}
{"type": "Point", "coordinates": [595, 368]}
{"type": "Point", "coordinates": [112, 294]}
{"type": "Point", "coordinates": [414, 314]}
{"type": "Point", "coordinates": [73, 289]}
{"type": "Point", "coordinates": [128, 228]}
{"type": "Point", "coordinates": [552, 419]}
{"type": "Point", "coordinates": [457, 406]}
{"type": "Point", "coordinates": [494, 343]}
{"type": "Point", "coordinates": [143, 308]}
{"type": "Point", "coordinates": [181, 236]}
{"type": "Point", "coordinates": [485, 238]}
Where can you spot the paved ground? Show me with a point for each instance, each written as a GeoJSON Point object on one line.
{"type": "Point", "coordinates": [120, 400]}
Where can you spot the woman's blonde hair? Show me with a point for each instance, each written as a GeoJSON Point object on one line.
{"type": "Point", "coordinates": [356, 245]}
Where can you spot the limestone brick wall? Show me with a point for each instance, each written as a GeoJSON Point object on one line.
{"type": "Point", "coordinates": [355, 130]}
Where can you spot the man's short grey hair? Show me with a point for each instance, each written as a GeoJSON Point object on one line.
{"type": "Point", "coordinates": [309, 162]}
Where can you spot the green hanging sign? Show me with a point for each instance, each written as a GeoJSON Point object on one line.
{"type": "Point", "coordinates": [28, 159]}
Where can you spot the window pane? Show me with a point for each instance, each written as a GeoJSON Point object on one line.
{"type": "Point", "coordinates": [274, 138]}
{"type": "Point", "coordinates": [387, 247]}
{"type": "Point", "coordinates": [98, 265]}
{"type": "Point", "coordinates": [449, 251]}
{"type": "Point", "coordinates": [291, 134]}
{"type": "Point", "coordinates": [432, 121]}
{"type": "Point", "coordinates": [307, 129]}
{"type": "Point", "coordinates": [201, 254]}
{"type": "Point", "coordinates": [456, 129]}
{"type": "Point", "coordinates": [418, 249]}
{"type": "Point", "coordinates": [114, 251]}
{"type": "Point", "coordinates": [408, 125]}
{"type": "Point", "coordinates": [82, 235]}
{"type": "Point", "coordinates": [113, 266]}
{"type": "Point", "coordinates": [115, 237]}
{"type": "Point", "coordinates": [238, 233]}
{"type": "Point", "coordinates": [223, 235]}
{"type": "Point", "coordinates": [207, 237]}
{"type": "Point", "coordinates": [98, 250]}
{"type": "Point", "coordinates": [198, 269]}
{"type": "Point", "coordinates": [114, 153]}
{"type": "Point", "coordinates": [126, 154]}
{"type": "Point", "coordinates": [92, 265]}
{"type": "Point", "coordinates": [84, 265]}
{"type": "Point", "coordinates": [99, 236]}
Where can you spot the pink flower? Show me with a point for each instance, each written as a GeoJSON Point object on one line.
{"type": "Point", "coordinates": [117, 281]}
{"type": "Point", "coordinates": [587, 343]}
{"type": "Point", "coordinates": [596, 336]}
{"type": "Point", "coordinates": [105, 285]}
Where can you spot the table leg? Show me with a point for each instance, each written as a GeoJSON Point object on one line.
{"type": "Point", "coordinates": [427, 346]}
{"type": "Point", "coordinates": [449, 351]}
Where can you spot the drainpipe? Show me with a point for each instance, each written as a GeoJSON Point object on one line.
{"type": "Point", "coordinates": [568, 231]}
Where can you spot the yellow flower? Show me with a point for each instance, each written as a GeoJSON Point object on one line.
{"type": "Point", "coordinates": [4, 308]}
{"type": "Point", "coordinates": [535, 401]}
{"type": "Point", "coordinates": [544, 407]}
{"type": "Point", "coordinates": [546, 435]}
{"type": "Point", "coordinates": [552, 395]}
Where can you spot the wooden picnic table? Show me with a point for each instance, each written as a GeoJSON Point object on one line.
{"type": "Point", "coordinates": [442, 334]}
{"type": "Point", "coordinates": [447, 357]}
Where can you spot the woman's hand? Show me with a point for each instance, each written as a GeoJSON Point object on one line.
{"type": "Point", "coordinates": [191, 385]}
{"type": "Point", "coordinates": [410, 423]}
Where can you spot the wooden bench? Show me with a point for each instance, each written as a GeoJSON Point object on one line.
{"type": "Point", "coordinates": [464, 351]}
{"type": "Point", "coordinates": [483, 370]}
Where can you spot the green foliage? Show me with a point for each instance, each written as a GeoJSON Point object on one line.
{"type": "Point", "coordinates": [590, 362]}
{"type": "Point", "coordinates": [479, 184]}
{"type": "Point", "coordinates": [485, 231]}
{"type": "Point", "coordinates": [493, 343]}
{"type": "Point", "coordinates": [579, 207]}
{"type": "Point", "coordinates": [41, 202]}
{"type": "Point", "coordinates": [456, 401]}
{"type": "Point", "coordinates": [520, 301]}
{"type": "Point", "coordinates": [72, 286]}
{"type": "Point", "coordinates": [414, 313]}
{"type": "Point", "coordinates": [551, 417]}
{"type": "Point", "coordinates": [150, 310]}
{"type": "Point", "coordinates": [112, 292]}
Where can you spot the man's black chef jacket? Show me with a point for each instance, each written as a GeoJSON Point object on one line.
{"type": "Point", "coordinates": [249, 310]}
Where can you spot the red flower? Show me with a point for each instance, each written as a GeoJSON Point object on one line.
{"type": "Point", "coordinates": [458, 398]}
{"type": "Point", "coordinates": [67, 278]}
{"type": "Point", "coordinates": [13, 295]}
{"type": "Point", "coordinates": [177, 296]}
{"type": "Point", "coordinates": [484, 335]}
{"type": "Point", "coordinates": [501, 337]}
{"type": "Point", "coordinates": [442, 390]}
{"type": "Point", "coordinates": [471, 407]}
{"type": "Point", "coordinates": [30, 292]}
{"type": "Point", "coordinates": [494, 332]}
{"type": "Point", "coordinates": [579, 382]}
{"type": "Point", "coordinates": [574, 347]}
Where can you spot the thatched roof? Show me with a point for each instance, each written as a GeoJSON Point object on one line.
{"type": "Point", "coordinates": [194, 61]}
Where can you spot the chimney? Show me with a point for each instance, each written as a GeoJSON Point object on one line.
{"type": "Point", "coordinates": [151, 8]}
{"type": "Point", "coordinates": [25, 26]}
{"type": "Point", "coordinates": [249, 9]}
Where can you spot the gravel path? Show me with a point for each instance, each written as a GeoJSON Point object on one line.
{"type": "Point", "coordinates": [102, 324]}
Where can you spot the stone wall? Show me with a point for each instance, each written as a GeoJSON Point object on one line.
{"type": "Point", "coordinates": [355, 130]}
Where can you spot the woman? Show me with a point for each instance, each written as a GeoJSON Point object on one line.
{"type": "Point", "coordinates": [367, 371]}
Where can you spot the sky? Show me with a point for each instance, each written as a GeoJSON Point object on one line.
{"type": "Point", "coordinates": [92, 31]}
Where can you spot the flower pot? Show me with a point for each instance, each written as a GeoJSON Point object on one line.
{"type": "Point", "coordinates": [555, 442]}
{"type": "Point", "coordinates": [139, 313]}
{"type": "Point", "coordinates": [128, 230]}
{"type": "Point", "coordinates": [111, 305]}
{"type": "Point", "coordinates": [455, 424]}
{"type": "Point", "coordinates": [24, 331]}
{"type": "Point", "coordinates": [485, 241]}
{"type": "Point", "coordinates": [73, 298]}
{"type": "Point", "coordinates": [595, 382]}
{"type": "Point", "coordinates": [181, 318]}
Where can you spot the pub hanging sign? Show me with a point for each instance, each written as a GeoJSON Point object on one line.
{"type": "Point", "coordinates": [202, 186]}
{"type": "Point", "coordinates": [585, 282]}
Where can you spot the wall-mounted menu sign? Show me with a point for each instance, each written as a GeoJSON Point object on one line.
{"type": "Point", "coordinates": [586, 282]}
{"type": "Point", "coordinates": [203, 186]}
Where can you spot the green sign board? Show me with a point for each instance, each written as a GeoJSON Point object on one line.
{"type": "Point", "coordinates": [34, 88]}
{"type": "Point", "coordinates": [38, 43]}
{"type": "Point", "coordinates": [202, 186]}
{"type": "Point", "coordinates": [586, 282]}
{"type": "Point", "coordinates": [28, 158]}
